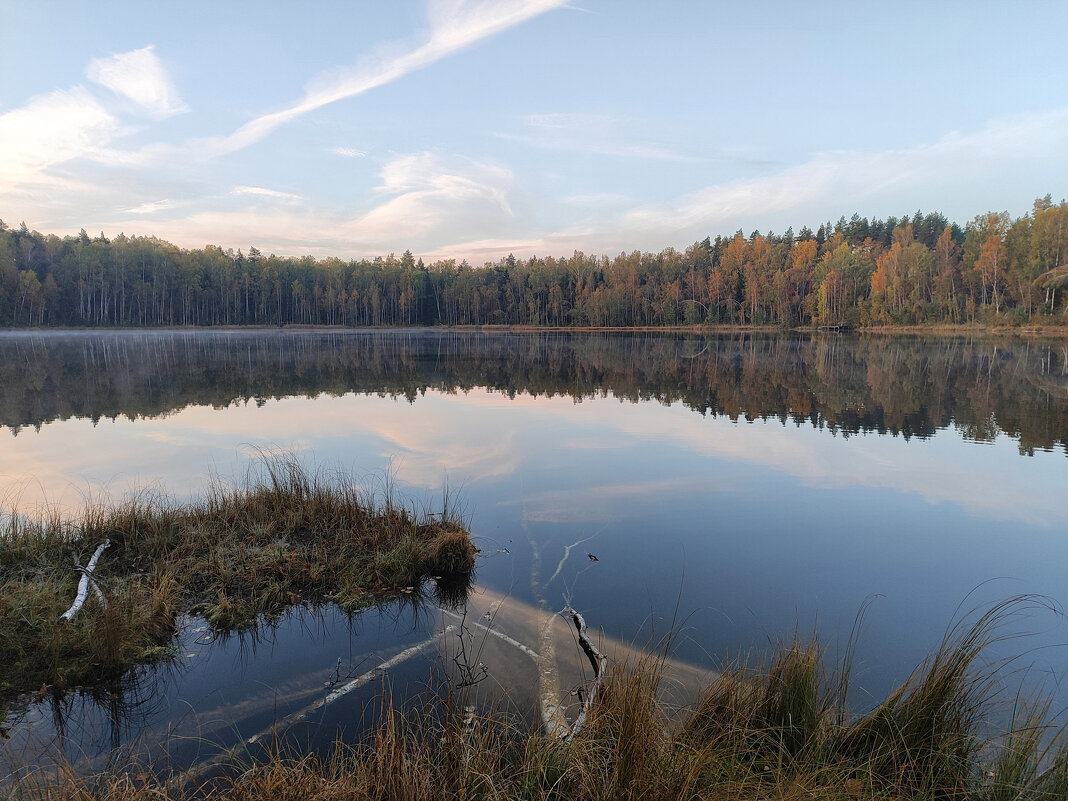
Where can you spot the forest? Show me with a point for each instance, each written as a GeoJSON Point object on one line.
{"type": "Point", "coordinates": [914, 270]}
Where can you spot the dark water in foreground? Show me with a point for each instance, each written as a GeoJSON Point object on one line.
{"type": "Point", "coordinates": [757, 484]}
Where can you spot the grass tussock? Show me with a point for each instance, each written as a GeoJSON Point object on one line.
{"type": "Point", "coordinates": [778, 732]}
{"type": "Point", "coordinates": [284, 537]}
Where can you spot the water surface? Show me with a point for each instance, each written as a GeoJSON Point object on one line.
{"type": "Point", "coordinates": [756, 484]}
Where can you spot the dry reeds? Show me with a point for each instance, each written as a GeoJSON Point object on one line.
{"type": "Point", "coordinates": [783, 732]}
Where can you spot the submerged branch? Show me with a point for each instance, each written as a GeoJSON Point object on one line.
{"type": "Point", "coordinates": [567, 554]}
{"type": "Point", "coordinates": [280, 726]}
{"type": "Point", "coordinates": [552, 715]}
{"type": "Point", "coordinates": [340, 692]}
{"type": "Point", "coordinates": [599, 663]}
{"type": "Point", "coordinates": [500, 635]}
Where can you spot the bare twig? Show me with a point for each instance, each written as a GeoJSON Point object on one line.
{"type": "Point", "coordinates": [599, 663]}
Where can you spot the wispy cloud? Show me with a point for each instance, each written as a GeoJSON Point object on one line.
{"type": "Point", "coordinates": [848, 179]}
{"type": "Point", "coordinates": [153, 207]}
{"type": "Point", "coordinates": [424, 198]}
{"type": "Point", "coordinates": [140, 76]}
{"type": "Point", "coordinates": [434, 195]}
{"type": "Point", "coordinates": [285, 228]}
{"type": "Point", "coordinates": [348, 152]}
{"type": "Point", "coordinates": [49, 130]}
{"type": "Point", "coordinates": [479, 251]}
{"type": "Point", "coordinates": [260, 191]}
{"type": "Point", "coordinates": [826, 185]}
{"type": "Point", "coordinates": [454, 26]}
{"type": "Point", "coordinates": [598, 199]}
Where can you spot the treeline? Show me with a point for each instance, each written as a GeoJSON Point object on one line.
{"type": "Point", "coordinates": [901, 385]}
{"type": "Point", "coordinates": [913, 270]}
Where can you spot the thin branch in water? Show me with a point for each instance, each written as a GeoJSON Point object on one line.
{"type": "Point", "coordinates": [599, 662]}
{"type": "Point", "coordinates": [468, 676]}
{"type": "Point", "coordinates": [288, 721]}
{"type": "Point", "coordinates": [567, 553]}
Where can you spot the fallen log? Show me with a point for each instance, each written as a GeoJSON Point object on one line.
{"type": "Point", "coordinates": [85, 582]}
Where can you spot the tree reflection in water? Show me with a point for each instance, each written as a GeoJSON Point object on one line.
{"type": "Point", "coordinates": [908, 385]}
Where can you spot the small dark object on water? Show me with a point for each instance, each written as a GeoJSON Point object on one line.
{"type": "Point", "coordinates": [592, 557]}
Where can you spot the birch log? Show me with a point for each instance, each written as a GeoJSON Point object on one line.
{"type": "Point", "coordinates": [85, 581]}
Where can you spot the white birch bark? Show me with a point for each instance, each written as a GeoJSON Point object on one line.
{"type": "Point", "coordinates": [85, 582]}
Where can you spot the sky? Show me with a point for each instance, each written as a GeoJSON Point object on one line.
{"type": "Point", "coordinates": [470, 129]}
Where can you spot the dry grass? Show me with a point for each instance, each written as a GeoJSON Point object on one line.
{"type": "Point", "coordinates": [282, 538]}
{"type": "Point", "coordinates": [779, 733]}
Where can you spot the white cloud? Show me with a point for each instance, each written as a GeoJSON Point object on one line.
{"type": "Point", "coordinates": [139, 76]}
{"type": "Point", "coordinates": [282, 231]}
{"type": "Point", "coordinates": [259, 191]}
{"type": "Point", "coordinates": [479, 251]}
{"type": "Point", "coordinates": [424, 198]}
{"type": "Point", "coordinates": [433, 195]}
{"type": "Point", "coordinates": [151, 208]}
{"type": "Point", "coordinates": [416, 172]}
{"type": "Point", "coordinates": [348, 152]}
{"type": "Point", "coordinates": [48, 130]}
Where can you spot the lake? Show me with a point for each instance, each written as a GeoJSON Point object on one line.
{"type": "Point", "coordinates": [733, 489]}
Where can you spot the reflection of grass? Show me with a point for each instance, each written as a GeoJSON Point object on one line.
{"type": "Point", "coordinates": [781, 732]}
{"type": "Point", "coordinates": [283, 538]}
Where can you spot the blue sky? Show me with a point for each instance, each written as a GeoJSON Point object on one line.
{"type": "Point", "coordinates": [468, 129]}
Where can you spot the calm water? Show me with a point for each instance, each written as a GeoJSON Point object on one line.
{"type": "Point", "coordinates": [758, 484]}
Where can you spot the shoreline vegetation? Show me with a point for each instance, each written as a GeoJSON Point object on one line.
{"type": "Point", "coordinates": [919, 269]}
{"type": "Point", "coordinates": [239, 554]}
{"type": "Point", "coordinates": [778, 729]}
